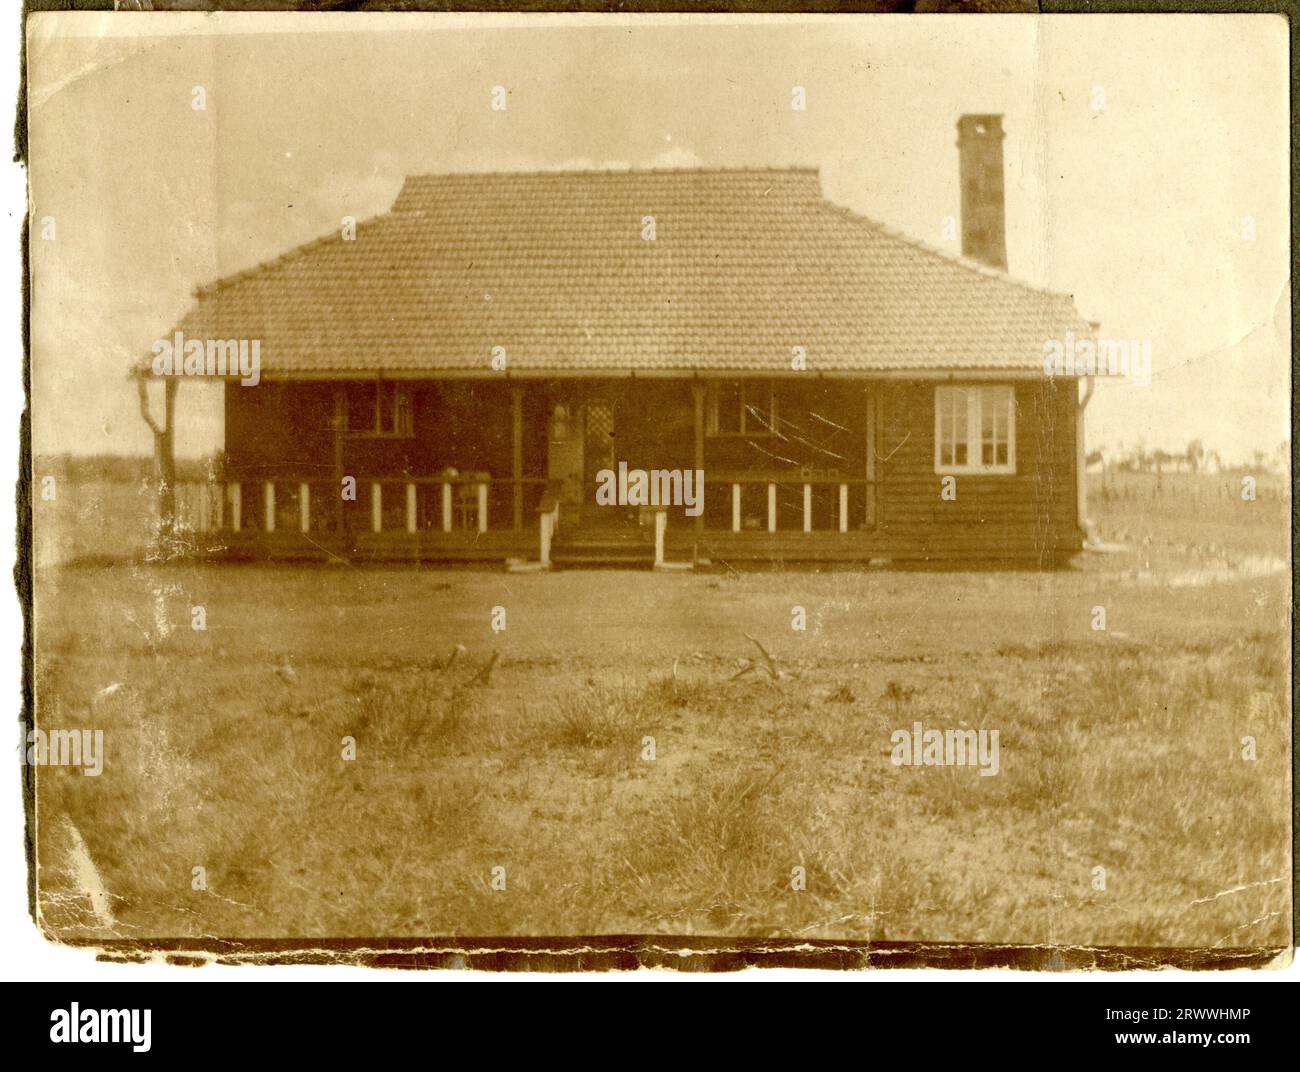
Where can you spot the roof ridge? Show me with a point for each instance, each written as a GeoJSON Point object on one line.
{"type": "Point", "coordinates": [793, 169]}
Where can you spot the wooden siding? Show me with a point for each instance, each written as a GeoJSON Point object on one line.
{"type": "Point", "coordinates": [283, 433]}
{"type": "Point", "coordinates": [1030, 515]}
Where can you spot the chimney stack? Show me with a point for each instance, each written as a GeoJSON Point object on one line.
{"type": "Point", "coordinates": [983, 202]}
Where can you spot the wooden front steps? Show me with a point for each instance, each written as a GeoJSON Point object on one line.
{"type": "Point", "coordinates": [617, 547]}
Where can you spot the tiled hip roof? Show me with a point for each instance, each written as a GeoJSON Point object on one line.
{"type": "Point", "coordinates": [557, 268]}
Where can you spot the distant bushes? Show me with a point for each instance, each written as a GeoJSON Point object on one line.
{"type": "Point", "coordinates": [120, 468]}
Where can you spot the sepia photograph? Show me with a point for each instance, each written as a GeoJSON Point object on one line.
{"type": "Point", "coordinates": [660, 489]}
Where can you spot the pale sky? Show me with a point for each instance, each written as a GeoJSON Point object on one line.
{"type": "Point", "coordinates": [1137, 208]}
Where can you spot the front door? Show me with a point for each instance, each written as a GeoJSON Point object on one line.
{"type": "Point", "coordinates": [582, 443]}
{"type": "Point", "coordinates": [564, 452]}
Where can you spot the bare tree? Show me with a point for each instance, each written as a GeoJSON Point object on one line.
{"type": "Point", "coordinates": [164, 451]}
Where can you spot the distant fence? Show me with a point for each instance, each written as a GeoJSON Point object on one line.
{"type": "Point", "coordinates": [103, 518]}
{"type": "Point", "coordinates": [1123, 486]}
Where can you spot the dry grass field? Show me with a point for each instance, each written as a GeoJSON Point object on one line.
{"type": "Point", "coordinates": [1120, 749]}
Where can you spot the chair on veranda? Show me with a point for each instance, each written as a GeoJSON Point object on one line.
{"type": "Point", "coordinates": [467, 499]}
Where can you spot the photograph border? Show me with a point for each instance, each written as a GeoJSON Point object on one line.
{"type": "Point", "coordinates": [630, 952]}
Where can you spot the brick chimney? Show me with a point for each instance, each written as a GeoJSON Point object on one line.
{"type": "Point", "coordinates": [983, 203]}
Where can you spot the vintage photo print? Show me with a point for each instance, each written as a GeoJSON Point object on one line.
{"type": "Point", "coordinates": [790, 489]}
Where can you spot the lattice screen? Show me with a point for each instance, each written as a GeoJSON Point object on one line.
{"type": "Point", "coordinates": [600, 434]}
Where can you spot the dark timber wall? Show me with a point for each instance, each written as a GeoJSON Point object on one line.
{"type": "Point", "coordinates": [1030, 515]}
{"type": "Point", "coordinates": [1028, 518]}
{"type": "Point", "coordinates": [283, 431]}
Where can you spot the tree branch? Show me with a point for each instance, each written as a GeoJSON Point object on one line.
{"type": "Point", "coordinates": [143, 389]}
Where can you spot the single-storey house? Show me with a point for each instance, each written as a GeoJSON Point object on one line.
{"type": "Point", "coordinates": [456, 378]}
